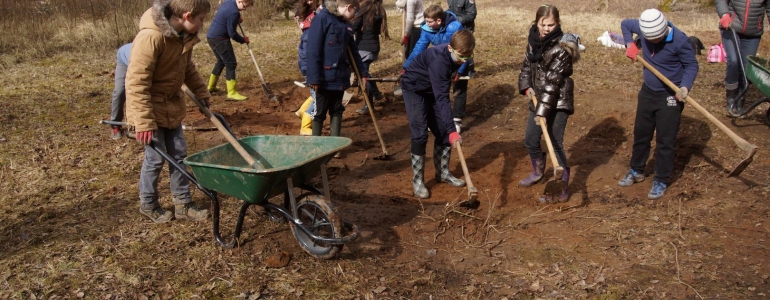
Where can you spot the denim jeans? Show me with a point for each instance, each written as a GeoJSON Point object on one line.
{"type": "Point", "coordinates": [556, 126]}
{"type": "Point", "coordinates": [119, 93]}
{"type": "Point", "coordinates": [223, 51]}
{"type": "Point", "coordinates": [172, 141]}
{"type": "Point", "coordinates": [658, 114]}
{"type": "Point", "coordinates": [368, 58]}
{"type": "Point", "coordinates": [748, 46]}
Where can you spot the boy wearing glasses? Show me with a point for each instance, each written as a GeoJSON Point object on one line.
{"type": "Point", "coordinates": [438, 29]}
{"type": "Point", "coordinates": [224, 27]}
{"type": "Point", "coordinates": [426, 83]}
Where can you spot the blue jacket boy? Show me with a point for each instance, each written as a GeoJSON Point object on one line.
{"type": "Point", "coordinates": [430, 36]}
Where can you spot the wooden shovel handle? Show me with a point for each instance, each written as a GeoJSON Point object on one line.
{"type": "Point", "coordinates": [740, 142]}
{"type": "Point", "coordinates": [465, 166]}
{"type": "Point", "coordinates": [229, 137]}
{"type": "Point", "coordinates": [557, 168]}
{"type": "Point", "coordinates": [366, 98]}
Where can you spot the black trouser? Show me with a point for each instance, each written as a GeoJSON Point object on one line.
{"type": "Point", "coordinates": [556, 127]}
{"type": "Point", "coordinates": [223, 50]}
{"type": "Point", "coordinates": [414, 36]}
{"type": "Point", "coordinates": [327, 101]}
{"type": "Point", "coordinates": [422, 110]}
{"type": "Point", "coordinates": [657, 113]}
{"type": "Point", "coordinates": [459, 96]}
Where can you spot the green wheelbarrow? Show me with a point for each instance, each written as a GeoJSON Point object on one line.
{"type": "Point", "coordinates": [289, 162]}
{"type": "Point", "coordinates": [758, 74]}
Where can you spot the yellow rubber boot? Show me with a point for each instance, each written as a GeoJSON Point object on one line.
{"type": "Point", "coordinates": [306, 128]}
{"type": "Point", "coordinates": [232, 94]}
{"type": "Point", "coordinates": [213, 83]}
{"type": "Point", "coordinates": [304, 107]}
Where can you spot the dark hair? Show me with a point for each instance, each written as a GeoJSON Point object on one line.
{"type": "Point", "coordinates": [546, 10]}
{"type": "Point", "coordinates": [372, 8]}
{"type": "Point", "coordinates": [463, 41]}
{"type": "Point", "coordinates": [434, 12]}
{"type": "Point", "coordinates": [304, 9]}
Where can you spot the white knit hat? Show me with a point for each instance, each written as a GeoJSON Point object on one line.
{"type": "Point", "coordinates": [653, 24]}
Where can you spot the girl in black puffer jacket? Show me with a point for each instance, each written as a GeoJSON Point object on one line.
{"type": "Point", "coordinates": [369, 23]}
{"type": "Point", "coordinates": [546, 72]}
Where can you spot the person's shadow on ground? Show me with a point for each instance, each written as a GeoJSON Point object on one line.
{"type": "Point", "coordinates": [592, 150]}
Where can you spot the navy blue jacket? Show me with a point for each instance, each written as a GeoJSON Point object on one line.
{"type": "Point", "coordinates": [673, 57]}
{"type": "Point", "coordinates": [225, 23]}
{"type": "Point", "coordinates": [431, 73]}
{"type": "Point", "coordinates": [328, 63]}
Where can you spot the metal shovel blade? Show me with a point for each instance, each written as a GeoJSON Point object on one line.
{"type": "Point", "coordinates": [269, 92]}
{"type": "Point", "coordinates": [743, 164]}
{"type": "Point", "coordinates": [554, 187]}
{"type": "Point", "coordinates": [472, 202]}
{"type": "Point", "coordinates": [384, 156]}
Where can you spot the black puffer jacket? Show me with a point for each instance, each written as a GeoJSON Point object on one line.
{"type": "Point", "coordinates": [550, 78]}
{"type": "Point", "coordinates": [748, 15]}
{"type": "Point", "coordinates": [367, 37]}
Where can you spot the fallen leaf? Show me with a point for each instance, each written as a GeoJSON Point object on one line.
{"type": "Point", "coordinates": [379, 290]}
{"type": "Point", "coordinates": [278, 260]}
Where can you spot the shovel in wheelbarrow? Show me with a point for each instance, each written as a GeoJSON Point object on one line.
{"type": "Point", "coordinates": [554, 186]}
{"type": "Point", "coordinates": [265, 84]}
{"type": "Point", "coordinates": [744, 145]}
{"type": "Point", "coordinates": [256, 164]}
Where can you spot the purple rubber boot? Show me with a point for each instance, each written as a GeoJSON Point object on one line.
{"type": "Point", "coordinates": [538, 166]}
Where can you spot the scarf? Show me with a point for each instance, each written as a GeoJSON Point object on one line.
{"type": "Point", "coordinates": [538, 44]}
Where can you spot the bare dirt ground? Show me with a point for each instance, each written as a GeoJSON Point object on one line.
{"type": "Point", "coordinates": [70, 226]}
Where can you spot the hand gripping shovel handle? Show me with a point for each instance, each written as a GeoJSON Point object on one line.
{"type": "Point", "coordinates": [557, 168]}
{"type": "Point", "coordinates": [740, 142]}
{"type": "Point", "coordinates": [368, 103]}
{"type": "Point", "coordinates": [473, 193]}
{"type": "Point", "coordinates": [265, 85]}
{"type": "Point", "coordinates": [228, 136]}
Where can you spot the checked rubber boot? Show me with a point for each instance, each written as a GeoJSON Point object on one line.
{"type": "Point", "coordinates": [304, 107]}
{"type": "Point", "coordinates": [213, 83]}
{"type": "Point", "coordinates": [418, 180]}
{"type": "Point", "coordinates": [538, 167]}
{"type": "Point", "coordinates": [306, 127]}
{"type": "Point", "coordinates": [232, 94]}
{"type": "Point", "coordinates": [441, 157]}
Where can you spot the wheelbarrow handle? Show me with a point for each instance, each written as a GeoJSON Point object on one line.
{"type": "Point", "coordinates": [228, 135]}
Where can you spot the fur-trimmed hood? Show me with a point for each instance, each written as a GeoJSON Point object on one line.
{"type": "Point", "coordinates": [156, 18]}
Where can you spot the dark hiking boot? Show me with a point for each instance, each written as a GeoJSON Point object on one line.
{"type": "Point", "coordinates": [538, 167]}
{"type": "Point", "coordinates": [156, 213]}
{"type": "Point", "coordinates": [188, 211]}
{"type": "Point", "coordinates": [441, 157]}
{"type": "Point", "coordinates": [418, 180]}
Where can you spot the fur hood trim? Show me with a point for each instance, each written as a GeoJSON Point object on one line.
{"type": "Point", "coordinates": [161, 12]}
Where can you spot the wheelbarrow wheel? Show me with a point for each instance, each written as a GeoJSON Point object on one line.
{"type": "Point", "coordinates": [317, 215]}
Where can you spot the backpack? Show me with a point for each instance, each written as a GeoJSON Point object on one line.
{"type": "Point", "coordinates": [716, 54]}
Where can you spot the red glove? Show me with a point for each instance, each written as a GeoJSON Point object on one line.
{"type": "Point", "coordinates": [246, 38]}
{"type": "Point", "coordinates": [240, 20]}
{"type": "Point", "coordinates": [632, 51]}
{"type": "Point", "coordinates": [726, 21]}
{"type": "Point", "coordinates": [457, 77]}
{"type": "Point", "coordinates": [405, 40]}
{"type": "Point", "coordinates": [144, 137]}
{"type": "Point", "coordinates": [454, 137]}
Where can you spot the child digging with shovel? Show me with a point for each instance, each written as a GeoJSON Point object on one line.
{"type": "Point", "coordinates": [546, 72]}
{"type": "Point", "coordinates": [426, 83]}
{"type": "Point", "coordinates": [223, 28]}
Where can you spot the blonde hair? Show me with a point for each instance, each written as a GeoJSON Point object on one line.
{"type": "Point", "coordinates": [463, 42]}
{"type": "Point", "coordinates": [195, 7]}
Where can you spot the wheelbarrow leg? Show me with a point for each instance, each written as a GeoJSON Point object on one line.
{"type": "Point", "coordinates": [325, 180]}
{"type": "Point", "coordinates": [292, 199]}
{"type": "Point", "coordinates": [238, 225]}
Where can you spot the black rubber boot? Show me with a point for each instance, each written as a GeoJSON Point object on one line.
{"type": "Point", "coordinates": [732, 109]}
{"type": "Point", "coordinates": [318, 128]}
{"type": "Point", "coordinates": [336, 125]}
{"type": "Point", "coordinates": [441, 157]}
{"type": "Point", "coordinates": [418, 180]}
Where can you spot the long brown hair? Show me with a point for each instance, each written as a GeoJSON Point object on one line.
{"type": "Point", "coordinates": [372, 8]}
{"type": "Point", "coordinates": [305, 9]}
{"type": "Point", "coordinates": [546, 10]}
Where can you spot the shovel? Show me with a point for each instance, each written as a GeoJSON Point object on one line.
{"type": "Point", "coordinates": [265, 85]}
{"type": "Point", "coordinates": [473, 193]}
{"type": "Point", "coordinates": [226, 132]}
{"type": "Point", "coordinates": [385, 155]}
{"type": "Point", "coordinates": [744, 145]}
{"type": "Point", "coordinates": [556, 185]}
